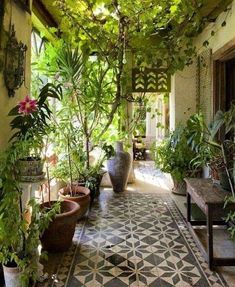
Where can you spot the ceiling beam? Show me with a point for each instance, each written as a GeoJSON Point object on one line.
{"type": "Point", "coordinates": [218, 9]}
{"type": "Point", "coordinates": [43, 14]}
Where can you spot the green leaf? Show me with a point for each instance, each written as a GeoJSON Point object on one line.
{"type": "Point", "coordinates": [224, 23]}
{"type": "Point", "coordinates": [206, 43]}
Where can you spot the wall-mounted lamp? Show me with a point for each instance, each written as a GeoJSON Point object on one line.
{"type": "Point", "coordinates": [14, 73]}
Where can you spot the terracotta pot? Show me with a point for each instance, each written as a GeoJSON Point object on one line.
{"type": "Point", "coordinates": [119, 168]}
{"type": "Point", "coordinates": [81, 196]}
{"type": "Point", "coordinates": [59, 234]}
{"type": "Point", "coordinates": [179, 187]}
{"type": "Point", "coordinates": [11, 276]}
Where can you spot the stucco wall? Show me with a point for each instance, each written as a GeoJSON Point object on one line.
{"type": "Point", "coordinates": [183, 96]}
{"type": "Point", "coordinates": [184, 84]}
{"type": "Point", "coordinates": [22, 21]}
{"type": "Point", "coordinates": [223, 35]}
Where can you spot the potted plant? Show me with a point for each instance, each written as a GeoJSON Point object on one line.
{"type": "Point", "coordinates": [84, 115]}
{"type": "Point", "coordinates": [218, 155]}
{"type": "Point", "coordinates": [58, 236]}
{"type": "Point", "coordinates": [174, 156]}
{"type": "Point", "coordinates": [30, 124]}
{"type": "Point", "coordinates": [84, 183]}
{"type": "Point", "coordinates": [74, 191]}
{"type": "Point", "coordinates": [19, 238]}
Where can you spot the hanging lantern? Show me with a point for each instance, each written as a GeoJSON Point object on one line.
{"type": "Point", "coordinates": [14, 73]}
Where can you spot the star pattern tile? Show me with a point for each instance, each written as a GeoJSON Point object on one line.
{"type": "Point", "coordinates": [134, 240]}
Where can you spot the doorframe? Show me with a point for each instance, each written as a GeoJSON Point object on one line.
{"type": "Point", "coordinates": [220, 57]}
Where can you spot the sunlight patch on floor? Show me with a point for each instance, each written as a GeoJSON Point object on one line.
{"type": "Point", "coordinates": [146, 172]}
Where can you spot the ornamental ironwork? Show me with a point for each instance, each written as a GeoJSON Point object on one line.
{"type": "Point", "coordinates": [154, 80]}
{"type": "Point", "coordinates": [14, 73]}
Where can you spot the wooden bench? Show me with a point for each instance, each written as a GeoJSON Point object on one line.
{"type": "Point", "coordinates": [210, 199]}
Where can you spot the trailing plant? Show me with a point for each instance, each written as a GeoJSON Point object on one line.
{"type": "Point", "coordinates": [112, 27]}
{"type": "Point", "coordinates": [19, 239]}
{"type": "Point", "coordinates": [114, 31]}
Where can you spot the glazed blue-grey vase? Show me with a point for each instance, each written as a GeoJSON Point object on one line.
{"type": "Point", "coordinates": [119, 168]}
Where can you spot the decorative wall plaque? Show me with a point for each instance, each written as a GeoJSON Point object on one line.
{"type": "Point", "coordinates": [150, 80]}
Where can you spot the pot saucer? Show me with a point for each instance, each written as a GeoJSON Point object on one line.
{"type": "Point", "coordinates": [32, 178]}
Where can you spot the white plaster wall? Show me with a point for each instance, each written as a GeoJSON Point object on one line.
{"type": "Point", "coordinates": [22, 22]}
{"type": "Point", "coordinates": [151, 121]}
{"type": "Point", "coordinates": [183, 96]}
{"type": "Point", "coordinates": [183, 93]}
{"type": "Point", "coordinates": [223, 35]}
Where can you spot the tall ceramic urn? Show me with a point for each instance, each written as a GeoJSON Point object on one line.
{"type": "Point", "coordinates": [119, 168]}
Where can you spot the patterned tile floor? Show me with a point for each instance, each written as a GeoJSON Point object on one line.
{"type": "Point", "coordinates": [134, 239]}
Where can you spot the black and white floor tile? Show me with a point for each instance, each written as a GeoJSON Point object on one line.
{"type": "Point", "coordinates": [134, 239]}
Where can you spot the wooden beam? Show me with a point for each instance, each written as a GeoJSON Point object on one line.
{"type": "Point", "coordinates": [43, 14]}
{"type": "Point", "coordinates": [218, 9]}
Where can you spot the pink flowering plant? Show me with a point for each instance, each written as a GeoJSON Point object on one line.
{"type": "Point", "coordinates": [32, 116]}
{"type": "Point", "coordinates": [27, 106]}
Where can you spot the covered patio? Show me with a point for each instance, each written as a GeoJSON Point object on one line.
{"type": "Point", "coordinates": [117, 143]}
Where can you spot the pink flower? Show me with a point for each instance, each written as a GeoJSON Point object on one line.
{"type": "Point", "coordinates": [27, 106]}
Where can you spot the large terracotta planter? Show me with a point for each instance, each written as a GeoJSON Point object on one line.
{"type": "Point", "coordinates": [119, 168]}
{"type": "Point", "coordinates": [11, 276]}
{"type": "Point", "coordinates": [59, 234]}
{"type": "Point", "coordinates": [81, 195]}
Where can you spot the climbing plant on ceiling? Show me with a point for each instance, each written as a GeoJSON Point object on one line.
{"type": "Point", "coordinates": [158, 33]}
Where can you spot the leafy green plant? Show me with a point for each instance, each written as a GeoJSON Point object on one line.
{"type": "Point", "coordinates": [31, 118]}
{"type": "Point", "coordinates": [84, 114]}
{"type": "Point", "coordinates": [210, 151]}
{"type": "Point", "coordinates": [202, 139]}
{"type": "Point", "coordinates": [230, 218]}
{"type": "Point", "coordinates": [199, 139]}
{"type": "Point", "coordinates": [19, 239]}
{"type": "Point", "coordinates": [174, 155]}
{"type": "Point", "coordinates": [112, 27]}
